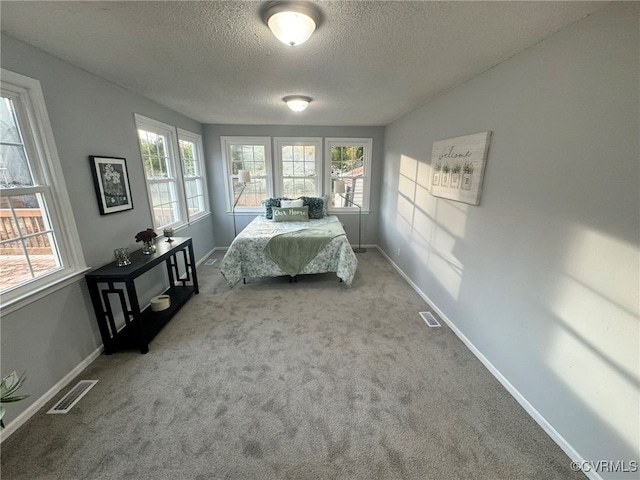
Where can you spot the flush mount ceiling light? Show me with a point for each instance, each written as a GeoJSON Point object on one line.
{"type": "Point", "coordinates": [291, 22]}
{"type": "Point", "coordinates": [297, 103]}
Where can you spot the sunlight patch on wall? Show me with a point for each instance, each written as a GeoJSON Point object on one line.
{"type": "Point", "coordinates": [407, 187]}
{"type": "Point", "coordinates": [404, 219]}
{"type": "Point", "coordinates": [452, 216]}
{"type": "Point", "coordinates": [423, 179]}
{"type": "Point", "coordinates": [408, 167]}
{"type": "Point", "coordinates": [607, 391]}
{"type": "Point", "coordinates": [431, 226]}
{"type": "Point", "coordinates": [424, 200]}
{"type": "Point", "coordinates": [423, 226]}
{"type": "Point", "coordinates": [596, 342]}
{"type": "Point", "coordinates": [606, 265]}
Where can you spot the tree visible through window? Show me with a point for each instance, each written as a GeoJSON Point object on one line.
{"type": "Point", "coordinates": [350, 162]}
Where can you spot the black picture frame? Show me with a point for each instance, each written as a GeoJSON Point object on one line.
{"type": "Point", "coordinates": [111, 181]}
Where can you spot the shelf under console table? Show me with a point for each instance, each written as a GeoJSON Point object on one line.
{"type": "Point", "coordinates": [141, 326]}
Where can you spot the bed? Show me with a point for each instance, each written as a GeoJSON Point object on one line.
{"type": "Point", "coordinates": [270, 248]}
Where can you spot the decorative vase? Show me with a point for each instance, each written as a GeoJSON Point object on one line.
{"type": "Point", "coordinates": [149, 247]}
{"type": "Point", "coordinates": [122, 257]}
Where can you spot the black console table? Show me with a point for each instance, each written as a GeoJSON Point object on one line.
{"type": "Point", "coordinates": [141, 326]}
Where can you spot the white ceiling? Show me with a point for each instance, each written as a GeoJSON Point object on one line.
{"type": "Point", "coordinates": [368, 63]}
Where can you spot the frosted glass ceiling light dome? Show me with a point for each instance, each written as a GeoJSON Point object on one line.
{"type": "Point", "coordinates": [291, 22]}
{"type": "Point", "coordinates": [297, 103]}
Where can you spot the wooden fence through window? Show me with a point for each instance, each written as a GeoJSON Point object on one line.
{"type": "Point", "coordinates": [30, 221]}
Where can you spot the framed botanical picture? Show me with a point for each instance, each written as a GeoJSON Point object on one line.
{"type": "Point", "coordinates": [111, 180]}
{"type": "Point", "coordinates": [457, 166]}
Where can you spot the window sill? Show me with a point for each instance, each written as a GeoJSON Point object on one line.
{"type": "Point", "coordinates": [350, 211]}
{"type": "Point", "coordinates": [199, 218]}
{"type": "Point", "coordinates": [28, 298]}
{"type": "Point", "coordinates": [255, 212]}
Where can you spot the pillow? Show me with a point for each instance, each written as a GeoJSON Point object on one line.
{"type": "Point", "coordinates": [291, 203]}
{"type": "Point", "coordinates": [290, 214]}
{"type": "Point", "coordinates": [316, 206]}
{"type": "Point", "coordinates": [268, 204]}
{"type": "Point", "coordinates": [325, 205]}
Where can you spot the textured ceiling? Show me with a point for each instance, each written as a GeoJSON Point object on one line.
{"type": "Point", "coordinates": [368, 63]}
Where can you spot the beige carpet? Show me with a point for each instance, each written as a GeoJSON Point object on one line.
{"type": "Point", "coordinates": [309, 380]}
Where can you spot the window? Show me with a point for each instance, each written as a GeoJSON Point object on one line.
{"type": "Point", "coordinates": [176, 184]}
{"type": "Point", "coordinates": [39, 244]}
{"type": "Point", "coordinates": [253, 154]}
{"type": "Point", "coordinates": [195, 187]}
{"type": "Point", "coordinates": [296, 170]}
{"type": "Point", "coordinates": [299, 161]}
{"type": "Point", "coordinates": [349, 160]}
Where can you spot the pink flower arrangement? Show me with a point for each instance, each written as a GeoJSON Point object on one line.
{"type": "Point", "coordinates": [146, 236]}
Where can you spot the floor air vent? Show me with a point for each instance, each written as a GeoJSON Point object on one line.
{"type": "Point", "coordinates": [75, 394]}
{"type": "Point", "coordinates": [429, 319]}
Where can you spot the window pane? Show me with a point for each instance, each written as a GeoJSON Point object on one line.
{"type": "Point", "coordinates": [354, 192]}
{"type": "Point", "coordinates": [9, 131]}
{"type": "Point", "coordinates": [14, 167]}
{"type": "Point", "coordinates": [14, 268]}
{"type": "Point", "coordinates": [190, 188]}
{"type": "Point", "coordinates": [27, 243]}
{"type": "Point", "coordinates": [173, 212]}
{"type": "Point", "coordinates": [248, 157]}
{"type": "Point", "coordinates": [255, 192]}
{"type": "Point", "coordinates": [189, 161]}
{"type": "Point", "coordinates": [14, 164]}
{"type": "Point", "coordinates": [165, 193]}
{"type": "Point", "coordinates": [297, 187]}
{"type": "Point", "coordinates": [8, 226]}
{"type": "Point", "coordinates": [347, 160]}
{"type": "Point", "coordinates": [154, 156]}
{"type": "Point", "coordinates": [196, 205]}
{"type": "Point", "coordinates": [158, 218]}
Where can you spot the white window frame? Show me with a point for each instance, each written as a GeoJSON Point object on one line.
{"type": "Point", "coordinates": [175, 174]}
{"type": "Point", "coordinates": [196, 139]}
{"type": "Point", "coordinates": [226, 143]}
{"type": "Point", "coordinates": [280, 142]}
{"type": "Point", "coordinates": [48, 177]}
{"type": "Point", "coordinates": [367, 144]}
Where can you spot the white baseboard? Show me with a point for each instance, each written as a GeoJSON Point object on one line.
{"type": "Point", "coordinates": [530, 409]}
{"type": "Point", "coordinates": [53, 391]}
{"type": "Point", "coordinates": [206, 256]}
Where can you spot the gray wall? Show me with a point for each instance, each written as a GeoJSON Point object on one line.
{"type": "Point", "coordinates": [223, 221]}
{"type": "Point", "coordinates": [542, 276]}
{"type": "Point", "coordinates": [89, 116]}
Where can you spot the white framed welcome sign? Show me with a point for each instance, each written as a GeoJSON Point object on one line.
{"type": "Point", "coordinates": [457, 167]}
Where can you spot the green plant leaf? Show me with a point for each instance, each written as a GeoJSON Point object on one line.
{"type": "Point", "coordinates": [9, 385]}
{"type": "Point", "coordinates": [17, 398]}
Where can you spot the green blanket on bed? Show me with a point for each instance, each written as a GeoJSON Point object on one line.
{"type": "Point", "coordinates": [292, 251]}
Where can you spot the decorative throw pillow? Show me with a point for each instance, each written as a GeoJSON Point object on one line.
{"type": "Point", "coordinates": [290, 214]}
{"type": "Point", "coordinates": [315, 205]}
{"type": "Point", "coordinates": [268, 204]}
{"type": "Point", "coordinates": [291, 203]}
{"type": "Point", "coordinates": [325, 205]}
